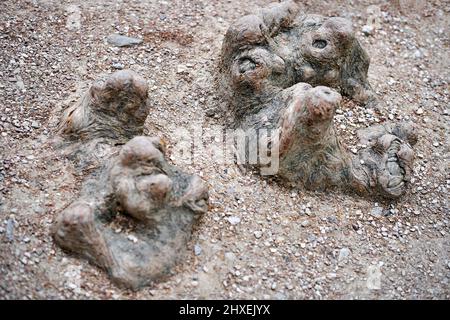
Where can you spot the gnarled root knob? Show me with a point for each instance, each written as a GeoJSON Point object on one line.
{"type": "Point", "coordinates": [115, 109]}
{"type": "Point", "coordinates": [310, 153]}
{"type": "Point", "coordinates": [385, 165]}
{"type": "Point", "coordinates": [108, 115]}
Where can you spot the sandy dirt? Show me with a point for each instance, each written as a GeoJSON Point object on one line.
{"type": "Point", "coordinates": [260, 239]}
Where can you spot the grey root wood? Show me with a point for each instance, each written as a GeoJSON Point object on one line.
{"type": "Point", "coordinates": [285, 71]}
{"type": "Point", "coordinates": [136, 212]}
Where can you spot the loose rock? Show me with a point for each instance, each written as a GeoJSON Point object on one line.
{"type": "Point", "coordinates": [374, 277]}
{"type": "Point", "coordinates": [122, 41]}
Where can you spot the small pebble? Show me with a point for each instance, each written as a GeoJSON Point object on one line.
{"type": "Point", "coordinates": [305, 223]}
{"type": "Point", "coordinates": [344, 253]}
{"type": "Point", "coordinates": [35, 125]}
{"type": "Point", "coordinates": [377, 211]}
{"type": "Point", "coordinates": [122, 41]}
{"type": "Point", "coordinates": [118, 66]}
{"type": "Point", "coordinates": [197, 250]}
{"type": "Point", "coordinates": [257, 234]}
{"type": "Point", "coordinates": [234, 220]}
{"type": "Point", "coordinates": [367, 30]}
{"type": "Point", "coordinates": [10, 230]}
{"type": "Point", "coordinates": [132, 238]}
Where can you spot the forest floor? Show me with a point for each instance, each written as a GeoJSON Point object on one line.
{"type": "Point", "coordinates": [260, 239]}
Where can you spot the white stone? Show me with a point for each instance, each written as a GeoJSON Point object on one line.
{"type": "Point", "coordinates": [374, 277]}
{"type": "Point", "coordinates": [234, 220]}
{"type": "Point", "coordinates": [367, 30]}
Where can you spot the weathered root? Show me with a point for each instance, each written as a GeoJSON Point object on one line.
{"type": "Point", "coordinates": [109, 114]}
{"type": "Point", "coordinates": [114, 110]}
{"type": "Point", "coordinates": [137, 188]}
{"type": "Point", "coordinates": [387, 161]}
{"type": "Point", "coordinates": [271, 61]}
{"type": "Point", "coordinates": [310, 153]}
{"type": "Point", "coordinates": [134, 188]}
{"type": "Point", "coordinates": [278, 46]}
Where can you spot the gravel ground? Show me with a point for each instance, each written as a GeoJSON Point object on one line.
{"type": "Point", "coordinates": [260, 239]}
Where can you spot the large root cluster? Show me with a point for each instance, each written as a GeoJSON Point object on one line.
{"type": "Point", "coordinates": [135, 214]}
{"type": "Point", "coordinates": [283, 70]}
